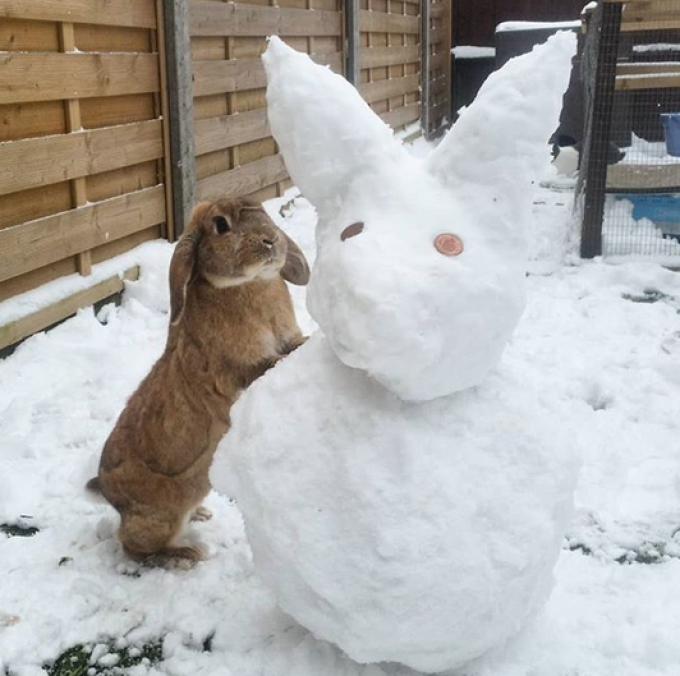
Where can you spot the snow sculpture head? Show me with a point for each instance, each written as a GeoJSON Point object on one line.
{"type": "Point", "coordinates": [419, 276]}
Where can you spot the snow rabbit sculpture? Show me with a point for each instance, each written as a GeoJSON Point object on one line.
{"type": "Point", "coordinates": [409, 501]}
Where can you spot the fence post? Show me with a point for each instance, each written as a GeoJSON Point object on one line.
{"type": "Point", "coordinates": [352, 41]}
{"type": "Point", "coordinates": [425, 66]}
{"type": "Point", "coordinates": [604, 30]}
{"type": "Point", "coordinates": [180, 117]}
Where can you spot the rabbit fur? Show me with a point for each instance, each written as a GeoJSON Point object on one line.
{"type": "Point", "coordinates": [231, 319]}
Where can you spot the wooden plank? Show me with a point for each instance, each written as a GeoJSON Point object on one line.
{"type": "Point", "coordinates": [31, 163]}
{"type": "Point", "coordinates": [381, 22]}
{"type": "Point", "coordinates": [640, 82]}
{"type": "Point", "coordinates": [210, 18]}
{"type": "Point", "coordinates": [387, 89]}
{"type": "Point", "coordinates": [244, 180]}
{"type": "Point", "coordinates": [217, 77]}
{"type": "Point", "coordinates": [644, 176]}
{"type": "Point", "coordinates": [648, 68]}
{"type": "Point", "coordinates": [132, 13]}
{"type": "Point", "coordinates": [46, 77]}
{"type": "Point", "coordinates": [220, 77]}
{"type": "Point", "coordinates": [376, 57]}
{"type": "Point", "coordinates": [226, 131]}
{"type": "Point", "coordinates": [16, 331]}
{"type": "Point", "coordinates": [32, 245]}
{"type": "Point", "coordinates": [647, 25]}
{"type": "Point", "coordinates": [402, 116]}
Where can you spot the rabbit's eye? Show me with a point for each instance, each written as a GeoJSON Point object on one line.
{"type": "Point", "coordinates": [221, 225]}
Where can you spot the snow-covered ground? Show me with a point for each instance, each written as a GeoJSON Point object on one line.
{"type": "Point", "coordinates": [605, 338]}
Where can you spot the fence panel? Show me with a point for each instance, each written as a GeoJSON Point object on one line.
{"type": "Point", "coordinates": [235, 152]}
{"type": "Point", "coordinates": [389, 58]}
{"type": "Point", "coordinates": [82, 148]}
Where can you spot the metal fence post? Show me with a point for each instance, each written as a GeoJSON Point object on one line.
{"type": "Point", "coordinates": [352, 41]}
{"type": "Point", "coordinates": [180, 102]}
{"type": "Point", "coordinates": [425, 65]}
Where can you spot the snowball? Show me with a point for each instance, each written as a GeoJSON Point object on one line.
{"type": "Point", "coordinates": [423, 534]}
{"type": "Point", "coordinates": [423, 324]}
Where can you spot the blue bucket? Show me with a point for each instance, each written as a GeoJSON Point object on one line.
{"type": "Point", "coordinates": [671, 125]}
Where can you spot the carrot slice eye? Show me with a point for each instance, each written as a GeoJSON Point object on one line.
{"type": "Point", "coordinates": [449, 245]}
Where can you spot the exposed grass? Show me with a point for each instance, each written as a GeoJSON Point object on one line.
{"type": "Point", "coordinates": [77, 660]}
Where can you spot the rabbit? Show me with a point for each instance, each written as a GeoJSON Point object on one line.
{"type": "Point", "coordinates": [231, 319]}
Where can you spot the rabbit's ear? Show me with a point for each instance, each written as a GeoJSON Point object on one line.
{"type": "Point", "coordinates": [296, 268]}
{"type": "Point", "coordinates": [502, 137]}
{"type": "Point", "coordinates": [182, 270]}
{"type": "Point", "coordinates": [327, 133]}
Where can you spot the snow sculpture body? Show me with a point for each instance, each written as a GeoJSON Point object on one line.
{"type": "Point", "coordinates": [394, 508]}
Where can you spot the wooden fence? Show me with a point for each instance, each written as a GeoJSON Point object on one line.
{"type": "Point", "coordinates": [81, 138]}
{"type": "Point", "coordinates": [104, 104]}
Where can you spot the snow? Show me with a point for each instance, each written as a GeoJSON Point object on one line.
{"type": "Point", "coordinates": [414, 534]}
{"type": "Point", "coordinates": [591, 341]}
{"type": "Point", "coordinates": [536, 25]}
{"type": "Point", "coordinates": [409, 533]}
{"type": "Point", "coordinates": [473, 52]}
{"type": "Point", "coordinates": [580, 340]}
{"type": "Point", "coordinates": [388, 293]}
{"type": "Point", "coordinates": [657, 47]}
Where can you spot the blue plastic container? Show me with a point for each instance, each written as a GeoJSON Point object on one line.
{"type": "Point", "coordinates": [671, 125]}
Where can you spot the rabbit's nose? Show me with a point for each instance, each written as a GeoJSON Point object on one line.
{"type": "Point", "coordinates": [268, 243]}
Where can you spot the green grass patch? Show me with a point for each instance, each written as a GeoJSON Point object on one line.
{"type": "Point", "coordinates": [76, 661]}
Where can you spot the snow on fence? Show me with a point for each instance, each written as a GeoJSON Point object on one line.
{"type": "Point", "coordinates": [115, 115]}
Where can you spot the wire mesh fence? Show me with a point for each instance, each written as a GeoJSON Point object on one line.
{"type": "Point", "coordinates": [630, 169]}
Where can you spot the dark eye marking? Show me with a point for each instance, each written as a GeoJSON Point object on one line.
{"type": "Point", "coordinates": [221, 225]}
{"type": "Point", "coordinates": [352, 231]}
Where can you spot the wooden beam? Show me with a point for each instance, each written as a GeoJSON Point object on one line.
{"type": "Point", "coordinates": [179, 86]}
{"type": "Point", "coordinates": [67, 43]}
{"type": "Point", "coordinates": [352, 42]}
{"type": "Point", "coordinates": [603, 46]}
{"type": "Point", "coordinates": [15, 331]}
{"type": "Point", "coordinates": [38, 243]}
{"type": "Point", "coordinates": [214, 19]}
{"type": "Point", "coordinates": [130, 13]}
{"type": "Point", "coordinates": [651, 81]}
{"type": "Point", "coordinates": [28, 77]}
{"type": "Point", "coordinates": [244, 180]}
{"type": "Point", "coordinates": [425, 66]}
{"type": "Point", "coordinates": [35, 162]}
{"type": "Point", "coordinates": [647, 25]}
{"type": "Point", "coordinates": [626, 177]}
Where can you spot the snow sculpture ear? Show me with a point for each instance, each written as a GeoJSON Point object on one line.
{"type": "Point", "coordinates": [322, 120]}
{"type": "Point", "coordinates": [508, 148]}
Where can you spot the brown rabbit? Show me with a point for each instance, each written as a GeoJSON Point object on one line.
{"type": "Point", "coordinates": [231, 319]}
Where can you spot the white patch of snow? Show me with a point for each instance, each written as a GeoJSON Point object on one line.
{"type": "Point", "coordinates": [472, 52]}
